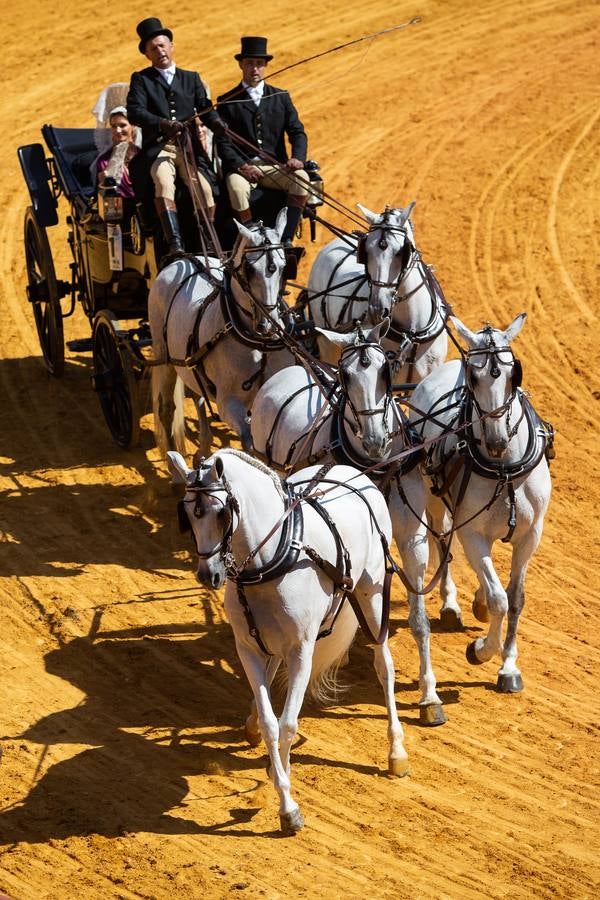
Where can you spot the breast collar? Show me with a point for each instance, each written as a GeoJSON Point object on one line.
{"type": "Point", "coordinates": [538, 442]}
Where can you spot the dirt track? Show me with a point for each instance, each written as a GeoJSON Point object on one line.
{"type": "Point", "coordinates": [124, 772]}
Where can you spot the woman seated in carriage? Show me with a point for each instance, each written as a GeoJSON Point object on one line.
{"type": "Point", "coordinates": [114, 162]}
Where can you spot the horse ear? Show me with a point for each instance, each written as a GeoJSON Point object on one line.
{"type": "Point", "coordinates": [177, 467]}
{"type": "Point", "coordinates": [371, 217]}
{"type": "Point", "coordinates": [464, 332]}
{"type": "Point", "coordinates": [379, 331]}
{"type": "Point", "coordinates": [333, 341]}
{"type": "Point", "coordinates": [407, 212]}
{"type": "Point", "coordinates": [515, 327]}
{"type": "Point", "coordinates": [219, 467]}
{"type": "Point", "coordinates": [281, 222]}
{"type": "Point", "coordinates": [245, 232]}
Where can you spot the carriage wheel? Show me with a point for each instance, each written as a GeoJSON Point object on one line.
{"type": "Point", "coordinates": [114, 381]}
{"type": "Point", "coordinates": [42, 292]}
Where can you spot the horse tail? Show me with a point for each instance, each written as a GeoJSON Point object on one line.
{"type": "Point", "coordinates": [167, 407]}
{"type": "Point", "coordinates": [330, 654]}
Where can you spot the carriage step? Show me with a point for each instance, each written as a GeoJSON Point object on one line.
{"type": "Point", "coordinates": [82, 345]}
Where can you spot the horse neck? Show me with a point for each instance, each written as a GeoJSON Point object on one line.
{"type": "Point", "coordinates": [261, 508]}
{"type": "Point", "coordinates": [414, 304]}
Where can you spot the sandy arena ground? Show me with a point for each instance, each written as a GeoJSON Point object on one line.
{"type": "Point", "coordinates": [124, 770]}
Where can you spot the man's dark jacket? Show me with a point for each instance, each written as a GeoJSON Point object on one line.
{"type": "Point", "coordinates": [265, 126]}
{"type": "Point", "coordinates": [150, 99]}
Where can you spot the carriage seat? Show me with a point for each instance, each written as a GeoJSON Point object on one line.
{"type": "Point", "coordinates": [74, 151]}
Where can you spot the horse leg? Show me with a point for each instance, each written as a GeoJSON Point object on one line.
{"type": "Point", "coordinates": [410, 535]}
{"type": "Point", "coordinates": [234, 412]}
{"type": "Point", "coordinates": [255, 668]}
{"type": "Point", "coordinates": [450, 612]}
{"type": "Point", "coordinates": [384, 666]}
{"type": "Point", "coordinates": [204, 432]}
{"type": "Point", "coordinates": [509, 675]}
{"type": "Point", "coordinates": [252, 730]}
{"type": "Point", "coordinates": [478, 552]}
{"type": "Point", "coordinates": [299, 668]}
{"type": "Point", "coordinates": [371, 604]}
{"type": "Point", "coordinates": [163, 406]}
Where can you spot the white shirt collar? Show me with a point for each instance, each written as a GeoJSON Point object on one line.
{"type": "Point", "coordinates": [256, 92]}
{"type": "Point", "coordinates": [167, 74]}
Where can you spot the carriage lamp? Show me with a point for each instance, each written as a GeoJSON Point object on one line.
{"type": "Point", "coordinates": [110, 204]}
{"type": "Point", "coordinates": [315, 196]}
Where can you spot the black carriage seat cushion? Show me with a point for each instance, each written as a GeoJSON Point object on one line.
{"type": "Point", "coordinates": [74, 151]}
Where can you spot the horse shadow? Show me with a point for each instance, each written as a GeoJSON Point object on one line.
{"type": "Point", "coordinates": [142, 694]}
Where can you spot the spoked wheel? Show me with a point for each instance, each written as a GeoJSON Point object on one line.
{"type": "Point", "coordinates": [114, 380]}
{"type": "Point", "coordinates": [43, 294]}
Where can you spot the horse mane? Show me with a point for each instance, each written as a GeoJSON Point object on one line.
{"type": "Point", "coordinates": [261, 466]}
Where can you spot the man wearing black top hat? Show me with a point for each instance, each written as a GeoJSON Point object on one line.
{"type": "Point", "coordinates": [263, 115]}
{"type": "Point", "coordinates": [161, 97]}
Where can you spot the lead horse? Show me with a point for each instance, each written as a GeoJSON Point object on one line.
{"type": "Point", "coordinates": [213, 326]}
{"type": "Point", "coordinates": [291, 553]}
{"type": "Point", "coordinates": [489, 474]}
{"type": "Point", "coordinates": [368, 277]}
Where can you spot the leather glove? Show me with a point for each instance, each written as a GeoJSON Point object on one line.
{"type": "Point", "coordinates": [250, 172]}
{"type": "Point", "coordinates": [170, 127]}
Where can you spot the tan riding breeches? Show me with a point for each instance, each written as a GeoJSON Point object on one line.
{"type": "Point", "coordinates": [294, 183]}
{"type": "Point", "coordinates": [170, 162]}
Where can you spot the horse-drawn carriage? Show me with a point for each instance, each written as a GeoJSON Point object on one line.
{"type": "Point", "coordinates": [115, 261]}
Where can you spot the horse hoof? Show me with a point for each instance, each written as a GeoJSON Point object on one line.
{"type": "Point", "coordinates": [432, 715]}
{"type": "Point", "coordinates": [291, 822]}
{"type": "Point", "coordinates": [398, 767]}
{"type": "Point", "coordinates": [450, 620]}
{"type": "Point", "coordinates": [471, 654]}
{"type": "Point", "coordinates": [254, 738]}
{"type": "Point", "coordinates": [480, 611]}
{"type": "Point", "coordinates": [510, 684]}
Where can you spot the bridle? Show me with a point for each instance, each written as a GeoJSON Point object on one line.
{"type": "Point", "coordinates": [230, 506]}
{"type": "Point", "coordinates": [497, 356]}
{"type": "Point", "coordinates": [242, 273]}
{"type": "Point", "coordinates": [406, 251]}
{"type": "Point", "coordinates": [363, 347]}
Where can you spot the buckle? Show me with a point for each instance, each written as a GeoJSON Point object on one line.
{"type": "Point", "coordinates": [295, 544]}
{"type": "Point", "coordinates": [461, 446]}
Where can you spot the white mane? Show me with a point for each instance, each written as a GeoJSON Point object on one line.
{"type": "Point", "coordinates": [252, 461]}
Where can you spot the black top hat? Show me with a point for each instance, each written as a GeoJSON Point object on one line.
{"type": "Point", "coordinates": [149, 28]}
{"type": "Point", "coordinates": [254, 47]}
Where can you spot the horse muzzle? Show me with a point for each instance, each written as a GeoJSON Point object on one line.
{"type": "Point", "coordinates": [211, 572]}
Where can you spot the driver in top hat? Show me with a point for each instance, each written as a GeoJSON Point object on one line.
{"type": "Point", "coordinates": [161, 97]}
{"type": "Point", "coordinates": [263, 115]}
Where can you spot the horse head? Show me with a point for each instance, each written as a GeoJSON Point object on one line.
{"type": "Point", "coordinates": [492, 376]}
{"type": "Point", "coordinates": [365, 379]}
{"type": "Point", "coordinates": [258, 264]}
{"type": "Point", "coordinates": [209, 511]}
{"type": "Point", "coordinates": [386, 252]}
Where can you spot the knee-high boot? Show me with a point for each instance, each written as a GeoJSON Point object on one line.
{"type": "Point", "coordinates": [169, 220]}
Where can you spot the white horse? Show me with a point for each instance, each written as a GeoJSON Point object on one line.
{"type": "Point", "coordinates": [382, 274]}
{"type": "Point", "coordinates": [285, 583]}
{"type": "Point", "coordinates": [214, 329]}
{"type": "Point", "coordinates": [489, 466]}
{"type": "Point", "coordinates": [296, 421]}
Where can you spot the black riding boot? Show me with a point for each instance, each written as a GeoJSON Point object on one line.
{"type": "Point", "coordinates": [170, 226]}
{"type": "Point", "coordinates": [294, 214]}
